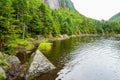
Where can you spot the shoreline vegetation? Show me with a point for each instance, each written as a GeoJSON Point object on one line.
{"type": "Point", "coordinates": [62, 37]}
{"type": "Point", "coordinates": [25, 24]}
{"type": "Point", "coordinates": [25, 54]}
{"type": "Point", "coordinates": [21, 20]}
{"type": "Point", "coordinates": [20, 45]}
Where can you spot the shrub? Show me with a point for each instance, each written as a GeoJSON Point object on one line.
{"type": "Point", "coordinates": [45, 46]}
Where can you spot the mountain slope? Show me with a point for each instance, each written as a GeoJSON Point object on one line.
{"type": "Point", "coordinates": [115, 17]}
{"type": "Point", "coordinates": [57, 4]}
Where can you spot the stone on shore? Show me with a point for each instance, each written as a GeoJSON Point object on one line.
{"type": "Point", "coordinates": [15, 71]}
{"type": "Point", "coordinates": [39, 65]}
{"type": "Point", "coordinates": [13, 60]}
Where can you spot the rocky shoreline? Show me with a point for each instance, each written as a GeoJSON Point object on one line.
{"type": "Point", "coordinates": [30, 62]}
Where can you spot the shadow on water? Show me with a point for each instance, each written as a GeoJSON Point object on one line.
{"type": "Point", "coordinates": [85, 58]}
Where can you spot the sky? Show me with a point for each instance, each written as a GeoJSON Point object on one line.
{"type": "Point", "coordinates": [97, 9]}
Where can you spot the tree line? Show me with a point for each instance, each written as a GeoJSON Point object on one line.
{"type": "Point", "coordinates": [20, 19]}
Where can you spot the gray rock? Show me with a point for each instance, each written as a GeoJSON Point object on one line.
{"type": "Point", "coordinates": [61, 36]}
{"type": "Point", "coordinates": [3, 73]}
{"type": "Point", "coordinates": [54, 4]}
{"type": "Point", "coordinates": [57, 4]}
{"type": "Point", "coordinates": [65, 36]}
{"type": "Point", "coordinates": [39, 65]}
{"type": "Point", "coordinates": [15, 72]}
{"type": "Point", "coordinates": [73, 36]}
{"type": "Point", "coordinates": [40, 37]}
{"type": "Point", "coordinates": [13, 60]}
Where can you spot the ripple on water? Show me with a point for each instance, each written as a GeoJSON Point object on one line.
{"type": "Point", "coordinates": [98, 60]}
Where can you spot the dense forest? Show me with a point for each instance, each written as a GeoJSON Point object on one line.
{"type": "Point", "coordinates": [22, 19]}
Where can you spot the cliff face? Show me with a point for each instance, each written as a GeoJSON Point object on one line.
{"type": "Point", "coordinates": [53, 4]}
{"type": "Point", "coordinates": [57, 4]}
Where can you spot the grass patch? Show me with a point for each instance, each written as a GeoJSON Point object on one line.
{"type": "Point", "coordinates": [45, 47]}
{"type": "Point", "coordinates": [11, 45]}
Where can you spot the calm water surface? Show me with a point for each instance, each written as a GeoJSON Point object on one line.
{"type": "Point", "coordinates": [85, 58]}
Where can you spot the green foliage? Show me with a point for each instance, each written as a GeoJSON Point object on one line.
{"type": "Point", "coordinates": [20, 19]}
{"type": "Point", "coordinates": [2, 76]}
{"type": "Point", "coordinates": [13, 44]}
{"type": "Point", "coordinates": [45, 47]}
{"type": "Point", "coordinates": [3, 61]}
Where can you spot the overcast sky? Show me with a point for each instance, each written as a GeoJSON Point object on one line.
{"type": "Point", "coordinates": [97, 9]}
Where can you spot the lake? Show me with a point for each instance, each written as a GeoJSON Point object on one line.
{"type": "Point", "coordinates": [85, 58]}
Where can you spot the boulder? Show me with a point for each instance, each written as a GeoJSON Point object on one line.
{"type": "Point", "coordinates": [13, 60]}
{"type": "Point", "coordinates": [39, 65]}
{"type": "Point", "coordinates": [41, 37]}
{"type": "Point", "coordinates": [2, 74]}
{"type": "Point", "coordinates": [15, 71]}
{"type": "Point", "coordinates": [61, 36]}
{"type": "Point", "coordinates": [73, 36]}
{"type": "Point", "coordinates": [65, 36]}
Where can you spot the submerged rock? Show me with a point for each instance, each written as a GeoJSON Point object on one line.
{"type": "Point", "coordinates": [39, 65]}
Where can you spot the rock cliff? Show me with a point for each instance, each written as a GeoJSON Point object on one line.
{"type": "Point", "coordinates": [57, 4]}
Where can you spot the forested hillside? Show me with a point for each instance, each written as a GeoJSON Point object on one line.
{"type": "Point", "coordinates": [22, 19]}
{"type": "Point", "coordinates": [115, 17]}
{"type": "Point", "coordinates": [114, 22]}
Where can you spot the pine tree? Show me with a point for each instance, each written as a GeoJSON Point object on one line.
{"type": "Point", "coordinates": [8, 26]}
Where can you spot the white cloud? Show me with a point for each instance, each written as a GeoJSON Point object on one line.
{"type": "Point", "coordinates": [97, 9]}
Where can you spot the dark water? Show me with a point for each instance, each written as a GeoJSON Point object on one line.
{"type": "Point", "coordinates": [85, 58]}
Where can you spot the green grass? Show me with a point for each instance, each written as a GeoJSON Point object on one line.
{"type": "Point", "coordinates": [18, 42]}
{"type": "Point", "coordinates": [45, 47]}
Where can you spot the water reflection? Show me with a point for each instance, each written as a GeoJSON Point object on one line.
{"type": "Point", "coordinates": [62, 52]}
{"type": "Point", "coordinates": [85, 58]}
{"type": "Point", "coordinates": [98, 60]}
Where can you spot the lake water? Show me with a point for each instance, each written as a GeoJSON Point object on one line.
{"type": "Point", "coordinates": [85, 58]}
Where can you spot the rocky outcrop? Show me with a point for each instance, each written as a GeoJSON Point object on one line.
{"type": "Point", "coordinates": [53, 4]}
{"type": "Point", "coordinates": [40, 64]}
{"type": "Point", "coordinates": [67, 4]}
{"type": "Point", "coordinates": [57, 4]}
